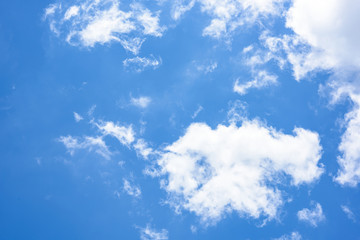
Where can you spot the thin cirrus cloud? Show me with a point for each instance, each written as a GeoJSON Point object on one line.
{"type": "Point", "coordinates": [96, 143]}
{"type": "Point", "coordinates": [149, 233]}
{"type": "Point", "coordinates": [131, 189]}
{"type": "Point", "coordinates": [211, 172]}
{"type": "Point", "coordinates": [141, 102]}
{"type": "Point", "coordinates": [292, 236]}
{"type": "Point", "coordinates": [227, 16]}
{"type": "Point", "coordinates": [98, 22]}
{"type": "Point", "coordinates": [312, 216]}
{"type": "Point", "coordinates": [139, 64]}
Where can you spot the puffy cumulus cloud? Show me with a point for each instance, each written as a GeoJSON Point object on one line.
{"type": "Point", "coordinates": [292, 236]}
{"type": "Point", "coordinates": [93, 22]}
{"type": "Point", "coordinates": [328, 26]}
{"type": "Point", "coordinates": [149, 233]}
{"type": "Point", "coordinates": [349, 173]}
{"type": "Point", "coordinates": [228, 15]}
{"type": "Point", "coordinates": [312, 216]}
{"type": "Point", "coordinates": [323, 36]}
{"type": "Point", "coordinates": [139, 64]}
{"type": "Point", "coordinates": [215, 171]}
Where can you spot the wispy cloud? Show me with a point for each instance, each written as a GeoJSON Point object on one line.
{"type": "Point", "coordinates": [139, 64]}
{"type": "Point", "coordinates": [131, 189]}
{"type": "Point", "coordinates": [149, 233]}
{"type": "Point", "coordinates": [77, 117]}
{"type": "Point", "coordinates": [102, 21]}
{"type": "Point", "coordinates": [312, 216]}
{"type": "Point", "coordinates": [141, 102]}
{"type": "Point", "coordinates": [350, 215]}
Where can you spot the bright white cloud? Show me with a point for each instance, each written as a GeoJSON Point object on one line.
{"type": "Point", "coordinates": [77, 117]}
{"type": "Point", "coordinates": [312, 216]}
{"type": "Point", "coordinates": [139, 64]}
{"type": "Point", "coordinates": [328, 26]}
{"type": "Point", "coordinates": [71, 12]}
{"type": "Point", "coordinates": [141, 102]}
{"type": "Point", "coordinates": [349, 173]}
{"type": "Point", "coordinates": [262, 79]}
{"type": "Point", "coordinates": [102, 21]}
{"type": "Point", "coordinates": [149, 233]}
{"type": "Point", "coordinates": [350, 215]}
{"type": "Point", "coordinates": [215, 171]}
{"type": "Point", "coordinates": [292, 236]}
{"type": "Point", "coordinates": [131, 189]}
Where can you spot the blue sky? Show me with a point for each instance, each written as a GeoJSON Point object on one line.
{"type": "Point", "coordinates": [184, 119]}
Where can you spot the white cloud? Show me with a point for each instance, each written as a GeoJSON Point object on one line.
{"type": "Point", "coordinates": [77, 117]}
{"type": "Point", "coordinates": [149, 233]}
{"type": "Point", "coordinates": [131, 189]}
{"type": "Point", "coordinates": [132, 45]}
{"type": "Point", "coordinates": [141, 102]}
{"type": "Point", "coordinates": [349, 173]}
{"type": "Point", "coordinates": [329, 27]}
{"type": "Point", "coordinates": [348, 213]}
{"type": "Point", "coordinates": [262, 79]}
{"type": "Point", "coordinates": [312, 216]}
{"type": "Point", "coordinates": [292, 236]}
{"type": "Point", "coordinates": [143, 149]}
{"type": "Point", "coordinates": [124, 134]}
{"type": "Point", "coordinates": [102, 21]}
{"type": "Point", "coordinates": [95, 144]}
{"type": "Point", "coordinates": [71, 12]}
{"type": "Point", "coordinates": [228, 15]}
{"type": "Point", "coordinates": [212, 172]}
{"type": "Point", "coordinates": [139, 64]}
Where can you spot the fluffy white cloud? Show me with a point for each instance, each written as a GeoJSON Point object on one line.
{"type": "Point", "coordinates": [312, 216]}
{"type": "Point", "coordinates": [149, 233]}
{"type": "Point", "coordinates": [349, 173]}
{"type": "Point", "coordinates": [228, 15]}
{"type": "Point", "coordinates": [215, 171]}
{"type": "Point", "coordinates": [328, 26]}
{"type": "Point", "coordinates": [141, 102]}
{"type": "Point", "coordinates": [131, 189]}
{"type": "Point", "coordinates": [102, 21]}
{"type": "Point", "coordinates": [139, 64]}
